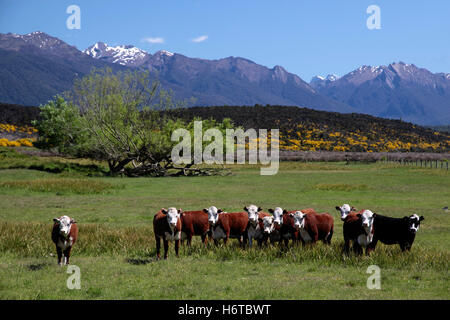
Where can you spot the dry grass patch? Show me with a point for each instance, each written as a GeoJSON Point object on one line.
{"type": "Point", "coordinates": [62, 185]}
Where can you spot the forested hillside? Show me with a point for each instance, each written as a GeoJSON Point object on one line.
{"type": "Point", "coordinates": [312, 130]}
{"type": "Point", "coordinates": [301, 129]}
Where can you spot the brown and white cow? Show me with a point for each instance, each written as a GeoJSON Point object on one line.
{"type": "Point", "coordinates": [254, 230]}
{"type": "Point", "coordinates": [345, 210]}
{"type": "Point", "coordinates": [313, 227]}
{"type": "Point", "coordinates": [226, 225]}
{"type": "Point", "coordinates": [283, 225]}
{"type": "Point", "coordinates": [353, 228]}
{"type": "Point", "coordinates": [64, 235]}
{"type": "Point", "coordinates": [194, 223]}
{"type": "Point", "coordinates": [167, 226]}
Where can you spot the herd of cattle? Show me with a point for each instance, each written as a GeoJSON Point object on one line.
{"type": "Point", "coordinates": [363, 228]}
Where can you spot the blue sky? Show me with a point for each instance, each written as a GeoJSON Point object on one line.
{"type": "Point", "coordinates": [305, 37]}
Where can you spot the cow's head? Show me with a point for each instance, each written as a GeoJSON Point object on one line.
{"type": "Point", "coordinates": [344, 210]}
{"type": "Point", "coordinates": [213, 215]}
{"type": "Point", "coordinates": [277, 216]}
{"type": "Point", "coordinates": [64, 224]}
{"type": "Point", "coordinates": [268, 224]}
{"type": "Point", "coordinates": [299, 219]}
{"type": "Point", "coordinates": [414, 222]}
{"type": "Point", "coordinates": [172, 215]}
{"type": "Point", "coordinates": [253, 214]}
{"type": "Point", "coordinates": [367, 218]}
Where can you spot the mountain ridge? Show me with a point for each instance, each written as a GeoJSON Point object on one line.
{"type": "Point", "coordinates": [36, 66]}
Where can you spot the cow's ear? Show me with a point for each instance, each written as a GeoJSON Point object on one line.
{"type": "Point", "coordinates": [72, 221]}
{"type": "Point", "coordinates": [352, 208]}
{"type": "Point", "coordinates": [359, 215]}
{"type": "Point", "coordinates": [291, 214]}
{"type": "Point", "coordinates": [259, 209]}
{"type": "Point", "coordinates": [338, 208]}
{"type": "Point", "coordinates": [164, 211]}
{"type": "Point", "coordinates": [219, 210]}
{"type": "Point", "coordinates": [271, 211]}
{"type": "Point", "coordinates": [205, 210]}
{"type": "Point", "coordinates": [56, 220]}
{"type": "Point", "coordinates": [421, 218]}
{"type": "Point", "coordinates": [285, 211]}
{"type": "Point", "coordinates": [260, 219]}
{"type": "Point", "coordinates": [245, 209]}
{"type": "Point", "coordinates": [374, 215]}
{"type": "Point", "coordinates": [180, 210]}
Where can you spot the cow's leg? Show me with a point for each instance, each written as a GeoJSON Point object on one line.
{"type": "Point", "coordinates": [216, 242]}
{"type": "Point", "coordinates": [347, 246]}
{"type": "Point", "coordinates": [59, 253]}
{"type": "Point", "coordinates": [158, 247]}
{"type": "Point", "coordinates": [204, 240]}
{"type": "Point", "coordinates": [405, 246]}
{"type": "Point", "coordinates": [166, 248]}
{"type": "Point", "coordinates": [189, 239]}
{"type": "Point", "coordinates": [250, 241]}
{"type": "Point", "coordinates": [357, 248]}
{"type": "Point", "coordinates": [67, 255]}
{"type": "Point", "coordinates": [177, 245]}
{"type": "Point", "coordinates": [371, 246]}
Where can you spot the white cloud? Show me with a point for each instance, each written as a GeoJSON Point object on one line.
{"type": "Point", "coordinates": [200, 39]}
{"type": "Point", "coordinates": [153, 40]}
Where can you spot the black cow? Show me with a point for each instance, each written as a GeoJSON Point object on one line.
{"type": "Point", "coordinates": [400, 231]}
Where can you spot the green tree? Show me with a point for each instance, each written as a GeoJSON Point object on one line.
{"type": "Point", "coordinates": [60, 128]}
{"type": "Point", "coordinates": [117, 118]}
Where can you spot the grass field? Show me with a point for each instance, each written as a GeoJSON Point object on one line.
{"type": "Point", "coordinates": [116, 247]}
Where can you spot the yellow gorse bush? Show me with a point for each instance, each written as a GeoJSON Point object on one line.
{"type": "Point", "coordinates": [21, 131]}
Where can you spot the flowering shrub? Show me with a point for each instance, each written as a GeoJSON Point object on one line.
{"type": "Point", "coordinates": [24, 136]}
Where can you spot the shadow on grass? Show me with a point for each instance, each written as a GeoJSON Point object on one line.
{"type": "Point", "coordinates": [138, 262]}
{"type": "Point", "coordinates": [37, 266]}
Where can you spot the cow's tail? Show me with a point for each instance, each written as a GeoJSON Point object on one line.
{"type": "Point", "coordinates": [330, 234]}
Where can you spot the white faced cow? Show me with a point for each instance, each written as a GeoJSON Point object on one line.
{"type": "Point", "coordinates": [167, 226]}
{"type": "Point", "coordinates": [253, 229]}
{"type": "Point", "coordinates": [364, 239]}
{"type": "Point", "coordinates": [400, 231]}
{"type": "Point", "coordinates": [225, 225]}
{"type": "Point", "coordinates": [345, 210]}
{"type": "Point", "coordinates": [64, 235]}
{"type": "Point", "coordinates": [313, 227]}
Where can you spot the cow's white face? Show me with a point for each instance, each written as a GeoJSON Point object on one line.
{"type": "Point", "coordinates": [414, 223]}
{"type": "Point", "coordinates": [367, 218]}
{"type": "Point", "coordinates": [64, 225]}
{"type": "Point", "coordinates": [277, 216]}
{"type": "Point", "coordinates": [268, 225]}
{"type": "Point", "coordinates": [172, 215]}
{"type": "Point", "coordinates": [299, 220]}
{"type": "Point", "coordinates": [213, 215]}
{"type": "Point", "coordinates": [253, 214]}
{"type": "Point", "coordinates": [344, 210]}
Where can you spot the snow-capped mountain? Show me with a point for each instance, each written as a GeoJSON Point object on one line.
{"type": "Point", "coordinates": [124, 55]}
{"type": "Point", "coordinates": [36, 66]}
{"type": "Point", "coordinates": [319, 81]}
{"type": "Point", "coordinates": [398, 90]}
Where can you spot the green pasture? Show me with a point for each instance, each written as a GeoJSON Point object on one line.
{"type": "Point", "coordinates": [116, 247]}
